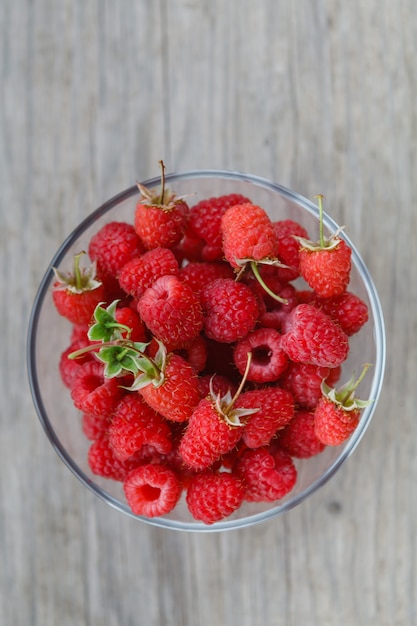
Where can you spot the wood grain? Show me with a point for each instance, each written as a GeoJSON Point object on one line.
{"type": "Point", "coordinates": [317, 96]}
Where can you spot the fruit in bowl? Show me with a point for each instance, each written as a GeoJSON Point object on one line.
{"type": "Point", "coordinates": [205, 350]}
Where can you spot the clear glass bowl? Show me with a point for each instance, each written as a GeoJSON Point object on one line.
{"type": "Point", "coordinates": [48, 336]}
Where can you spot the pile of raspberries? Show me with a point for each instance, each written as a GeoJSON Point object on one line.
{"type": "Point", "coordinates": [205, 348]}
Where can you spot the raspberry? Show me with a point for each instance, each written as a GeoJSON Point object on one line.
{"type": "Point", "coordinates": [199, 274]}
{"type": "Point", "coordinates": [220, 385]}
{"type": "Point", "coordinates": [288, 248]}
{"type": "Point", "coordinates": [327, 271]}
{"type": "Point", "coordinates": [275, 315]}
{"type": "Point", "coordinates": [268, 475]}
{"type": "Point", "coordinates": [172, 311]}
{"type": "Point", "coordinates": [113, 246]}
{"type": "Point", "coordinates": [189, 248]}
{"type": "Point", "coordinates": [275, 409]}
{"type": "Point", "coordinates": [338, 412]}
{"type": "Point", "coordinates": [195, 353]}
{"type": "Point", "coordinates": [95, 426]}
{"type": "Point", "coordinates": [325, 265]}
{"type": "Point", "coordinates": [303, 381]}
{"type": "Point", "coordinates": [77, 293]}
{"type": "Point", "coordinates": [69, 367]}
{"type": "Point", "coordinates": [136, 424]}
{"type": "Point", "coordinates": [160, 217]}
{"type": "Point", "coordinates": [205, 221]}
{"type": "Point", "coordinates": [177, 396]}
{"type": "Point", "coordinates": [127, 317]}
{"type": "Point", "coordinates": [348, 310]}
{"type": "Point", "coordinates": [208, 436]}
{"type": "Point", "coordinates": [248, 233]}
{"type": "Point", "coordinates": [141, 272]}
{"type": "Point", "coordinates": [332, 424]}
{"type": "Point", "coordinates": [78, 308]}
{"type": "Point", "coordinates": [230, 310]}
{"type": "Point", "coordinates": [298, 438]}
{"type": "Point", "coordinates": [92, 393]}
{"type": "Point", "coordinates": [310, 336]}
{"type": "Point", "coordinates": [212, 496]}
{"type": "Point", "coordinates": [268, 358]}
{"type": "Point", "coordinates": [103, 462]}
{"type": "Point", "coordinates": [152, 490]}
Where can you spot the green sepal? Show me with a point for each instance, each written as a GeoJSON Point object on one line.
{"type": "Point", "coordinates": [106, 327]}
{"type": "Point", "coordinates": [224, 407]}
{"type": "Point", "coordinates": [118, 359]}
{"type": "Point", "coordinates": [152, 371]}
{"type": "Point", "coordinates": [344, 396]}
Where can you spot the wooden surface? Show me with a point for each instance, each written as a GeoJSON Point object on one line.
{"type": "Point", "coordinates": [319, 96]}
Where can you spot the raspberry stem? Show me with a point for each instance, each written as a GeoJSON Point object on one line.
{"type": "Point", "coordinates": [255, 270]}
{"type": "Point", "coordinates": [77, 272]}
{"type": "Point", "coordinates": [161, 163]}
{"type": "Point", "coordinates": [320, 203]}
{"type": "Point", "coordinates": [242, 384]}
{"type": "Point", "coordinates": [352, 388]}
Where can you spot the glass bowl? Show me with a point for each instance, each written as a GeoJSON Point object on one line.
{"type": "Point", "coordinates": [48, 337]}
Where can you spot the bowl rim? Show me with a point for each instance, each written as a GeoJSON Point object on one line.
{"type": "Point", "coordinates": [367, 414]}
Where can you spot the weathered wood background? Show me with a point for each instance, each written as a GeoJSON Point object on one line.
{"type": "Point", "coordinates": [319, 96]}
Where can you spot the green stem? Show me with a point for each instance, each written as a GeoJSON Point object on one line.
{"type": "Point", "coordinates": [320, 201]}
{"type": "Point", "coordinates": [96, 347]}
{"type": "Point", "coordinates": [352, 389]}
{"type": "Point", "coordinates": [255, 270]}
{"type": "Point", "coordinates": [242, 384]}
{"type": "Point", "coordinates": [77, 272]}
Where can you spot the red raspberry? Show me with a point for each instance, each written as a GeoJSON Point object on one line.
{"type": "Point", "coordinates": [338, 412]}
{"type": "Point", "coordinates": [208, 436]}
{"type": "Point", "coordinates": [69, 367]}
{"type": "Point", "coordinates": [220, 385]}
{"type": "Point", "coordinates": [303, 381]}
{"type": "Point", "coordinates": [269, 360]}
{"type": "Point", "coordinates": [160, 217]}
{"type": "Point", "coordinates": [113, 246]}
{"type": "Point", "coordinates": [268, 475]}
{"type": "Point", "coordinates": [77, 293]}
{"type": "Point", "coordinates": [199, 274]}
{"type": "Point", "coordinates": [276, 408]}
{"type": "Point", "coordinates": [92, 393]}
{"type": "Point", "coordinates": [212, 496]}
{"type": "Point", "coordinates": [102, 461]}
{"type": "Point", "coordinates": [325, 265]}
{"type": "Point", "coordinates": [130, 318]}
{"type": "Point", "coordinates": [172, 311]}
{"type": "Point", "coordinates": [276, 314]}
{"type": "Point", "coordinates": [78, 308]}
{"type": "Point", "coordinates": [348, 310]}
{"type": "Point", "coordinates": [230, 309]}
{"type": "Point", "coordinates": [248, 233]}
{"type": "Point", "coordinates": [95, 426]}
{"type": "Point", "coordinates": [136, 424]}
{"type": "Point", "coordinates": [205, 220]}
{"type": "Point", "coordinates": [332, 423]}
{"type": "Point", "coordinates": [189, 248]}
{"type": "Point", "coordinates": [298, 438]}
{"type": "Point", "coordinates": [177, 396]}
{"type": "Point", "coordinates": [141, 272]}
{"type": "Point", "coordinates": [195, 353]}
{"type": "Point", "coordinates": [310, 336]}
{"type": "Point", "coordinates": [327, 271]}
{"type": "Point", "coordinates": [152, 490]}
{"type": "Point", "coordinates": [288, 248]}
